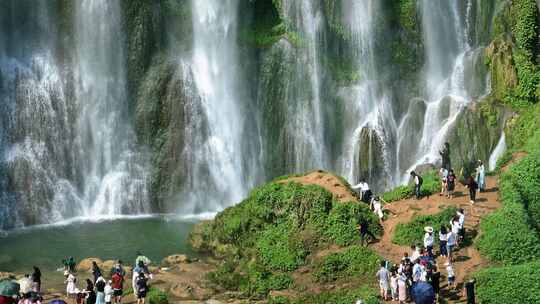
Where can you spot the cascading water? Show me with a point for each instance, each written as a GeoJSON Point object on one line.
{"type": "Point", "coordinates": [305, 128]}
{"type": "Point", "coordinates": [114, 178]}
{"type": "Point", "coordinates": [497, 152]}
{"type": "Point", "coordinates": [369, 115]}
{"type": "Point", "coordinates": [216, 177]}
{"type": "Point", "coordinates": [448, 58]}
{"type": "Point", "coordinates": [66, 146]}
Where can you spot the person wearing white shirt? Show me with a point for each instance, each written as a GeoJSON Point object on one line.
{"type": "Point", "coordinates": [365, 192]}
{"type": "Point", "coordinates": [450, 243]}
{"type": "Point", "coordinates": [461, 221]}
{"type": "Point", "coordinates": [417, 184]}
{"type": "Point", "coordinates": [428, 240]}
{"type": "Point", "coordinates": [415, 254]}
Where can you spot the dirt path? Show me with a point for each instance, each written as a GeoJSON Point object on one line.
{"type": "Point", "coordinates": [468, 259]}
{"type": "Point", "coordinates": [329, 182]}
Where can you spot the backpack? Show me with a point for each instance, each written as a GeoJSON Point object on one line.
{"type": "Point", "coordinates": [420, 180]}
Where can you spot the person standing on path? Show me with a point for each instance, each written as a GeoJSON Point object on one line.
{"type": "Point", "coordinates": [117, 286]}
{"type": "Point", "coordinates": [428, 240]}
{"type": "Point", "coordinates": [417, 184]}
{"type": "Point", "coordinates": [473, 186]}
{"type": "Point", "coordinates": [109, 292]}
{"type": "Point", "coordinates": [443, 235]}
{"type": "Point", "coordinates": [450, 184]}
{"type": "Point", "coordinates": [96, 271]}
{"type": "Point", "coordinates": [142, 288]}
{"type": "Point", "coordinates": [451, 276]}
{"type": "Point", "coordinates": [481, 176]}
{"type": "Point", "coordinates": [450, 244]}
{"type": "Point", "coordinates": [383, 276]}
{"type": "Point", "coordinates": [461, 224]}
{"type": "Point", "coordinates": [100, 290]}
{"type": "Point", "coordinates": [445, 155]}
{"type": "Point", "coordinates": [365, 192]}
{"type": "Point", "coordinates": [443, 175]}
{"type": "Point", "coordinates": [36, 280]}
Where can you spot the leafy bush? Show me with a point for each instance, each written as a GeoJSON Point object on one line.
{"type": "Point", "coordinates": [413, 232]}
{"type": "Point", "coordinates": [343, 220]}
{"type": "Point", "coordinates": [279, 249]}
{"type": "Point", "coordinates": [353, 262]}
{"type": "Point", "coordinates": [261, 281]}
{"type": "Point", "coordinates": [368, 296]}
{"type": "Point", "coordinates": [506, 235]}
{"type": "Point", "coordinates": [157, 296]}
{"type": "Point", "coordinates": [226, 277]}
{"type": "Point", "coordinates": [511, 284]}
{"type": "Point", "coordinates": [431, 185]}
{"type": "Point", "coordinates": [525, 176]}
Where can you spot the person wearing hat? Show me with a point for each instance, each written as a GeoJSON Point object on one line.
{"type": "Point", "coordinates": [428, 240]}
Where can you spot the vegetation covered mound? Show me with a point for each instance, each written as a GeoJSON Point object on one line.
{"type": "Point", "coordinates": [430, 185]}
{"type": "Point", "coordinates": [276, 230]}
{"type": "Point", "coordinates": [413, 232]}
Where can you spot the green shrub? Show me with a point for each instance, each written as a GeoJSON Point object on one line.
{"type": "Point", "coordinates": [431, 184]}
{"type": "Point", "coordinates": [366, 294]}
{"type": "Point", "coordinates": [511, 284]}
{"type": "Point", "coordinates": [343, 220]}
{"type": "Point", "coordinates": [355, 261]}
{"type": "Point", "coordinates": [278, 249]}
{"type": "Point", "coordinates": [157, 296]}
{"type": "Point", "coordinates": [525, 176]}
{"type": "Point", "coordinates": [260, 281]}
{"type": "Point", "coordinates": [506, 235]}
{"type": "Point", "coordinates": [413, 232]}
{"type": "Point", "coordinates": [226, 277]}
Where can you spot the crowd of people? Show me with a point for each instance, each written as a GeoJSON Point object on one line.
{"type": "Point", "coordinates": [102, 291]}
{"type": "Point", "coordinates": [419, 270]}
{"type": "Point", "coordinates": [97, 290]}
{"type": "Point", "coordinates": [420, 267]}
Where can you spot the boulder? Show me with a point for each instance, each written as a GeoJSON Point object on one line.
{"type": "Point", "coordinates": [199, 237]}
{"type": "Point", "coordinates": [190, 292]}
{"type": "Point", "coordinates": [174, 260]}
{"type": "Point", "coordinates": [424, 168]}
{"type": "Point", "coordinates": [86, 264]}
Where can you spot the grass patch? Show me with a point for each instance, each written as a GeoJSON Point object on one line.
{"type": "Point", "coordinates": [430, 186]}
{"type": "Point", "coordinates": [354, 261]}
{"type": "Point", "coordinates": [413, 232]}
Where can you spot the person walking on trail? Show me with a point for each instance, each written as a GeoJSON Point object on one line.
{"type": "Point", "coordinates": [36, 280]}
{"type": "Point", "coordinates": [118, 268]}
{"type": "Point", "coordinates": [445, 155]}
{"type": "Point", "coordinates": [109, 292]}
{"type": "Point", "coordinates": [402, 287]}
{"type": "Point", "coordinates": [429, 240]}
{"type": "Point", "coordinates": [90, 292]}
{"type": "Point", "coordinates": [443, 234]}
{"type": "Point", "coordinates": [96, 271]}
{"type": "Point", "coordinates": [455, 228]}
{"type": "Point", "coordinates": [70, 281]}
{"type": "Point", "coordinates": [469, 291]}
{"type": "Point", "coordinates": [481, 176]}
{"type": "Point", "coordinates": [451, 276]}
{"type": "Point", "coordinates": [100, 290]}
{"type": "Point", "coordinates": [383, 275]}
{"type": "Point", "coordinates": [117, 286]}
{"type": "Point", "coordinates": [443, 175]}
{"type": "Point", "coordinates": [365, 192]}
{"type": "Point", "coordinates": [417, 184]}
{"type": "Point", "coordinates": [142, 288]}
{"type": "Point", "coordinates": [473, 187]}
{"type": "Point", "coordinates": [450, 244]}
{"type": "Point", "coordinates": [394, 285]}
{"type": "Point", "coordinates": [376, 206]}
{"type": "Point", "coordinates": [461, 224]}
{"type": "Point", "coordinates": [144, 260]}
{"type": "Point", "coordinates": [450, 183]}
{"type": "Point", "coordinates": [364, 231]}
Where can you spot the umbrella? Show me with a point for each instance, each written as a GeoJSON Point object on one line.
{"type": "Point", "coordinates": [9, 288]}
{"type": "Point", "coordinates": [57, 301]}
{"type": "Point", "coordinates": [423, 293]}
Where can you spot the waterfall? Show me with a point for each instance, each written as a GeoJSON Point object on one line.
{"type": "Point", "coordinates": [113, 173]}
{"type": "Point", "coordinates": [216, 172]}
{"type": "Point", "coordinates": [369, 115]}
{"type": "Point", "coordinates": [497, 152]}
{"type": "Point", "coordinates": [305, 128]}
{"type": "Point", "coordinates": [449, 56]}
